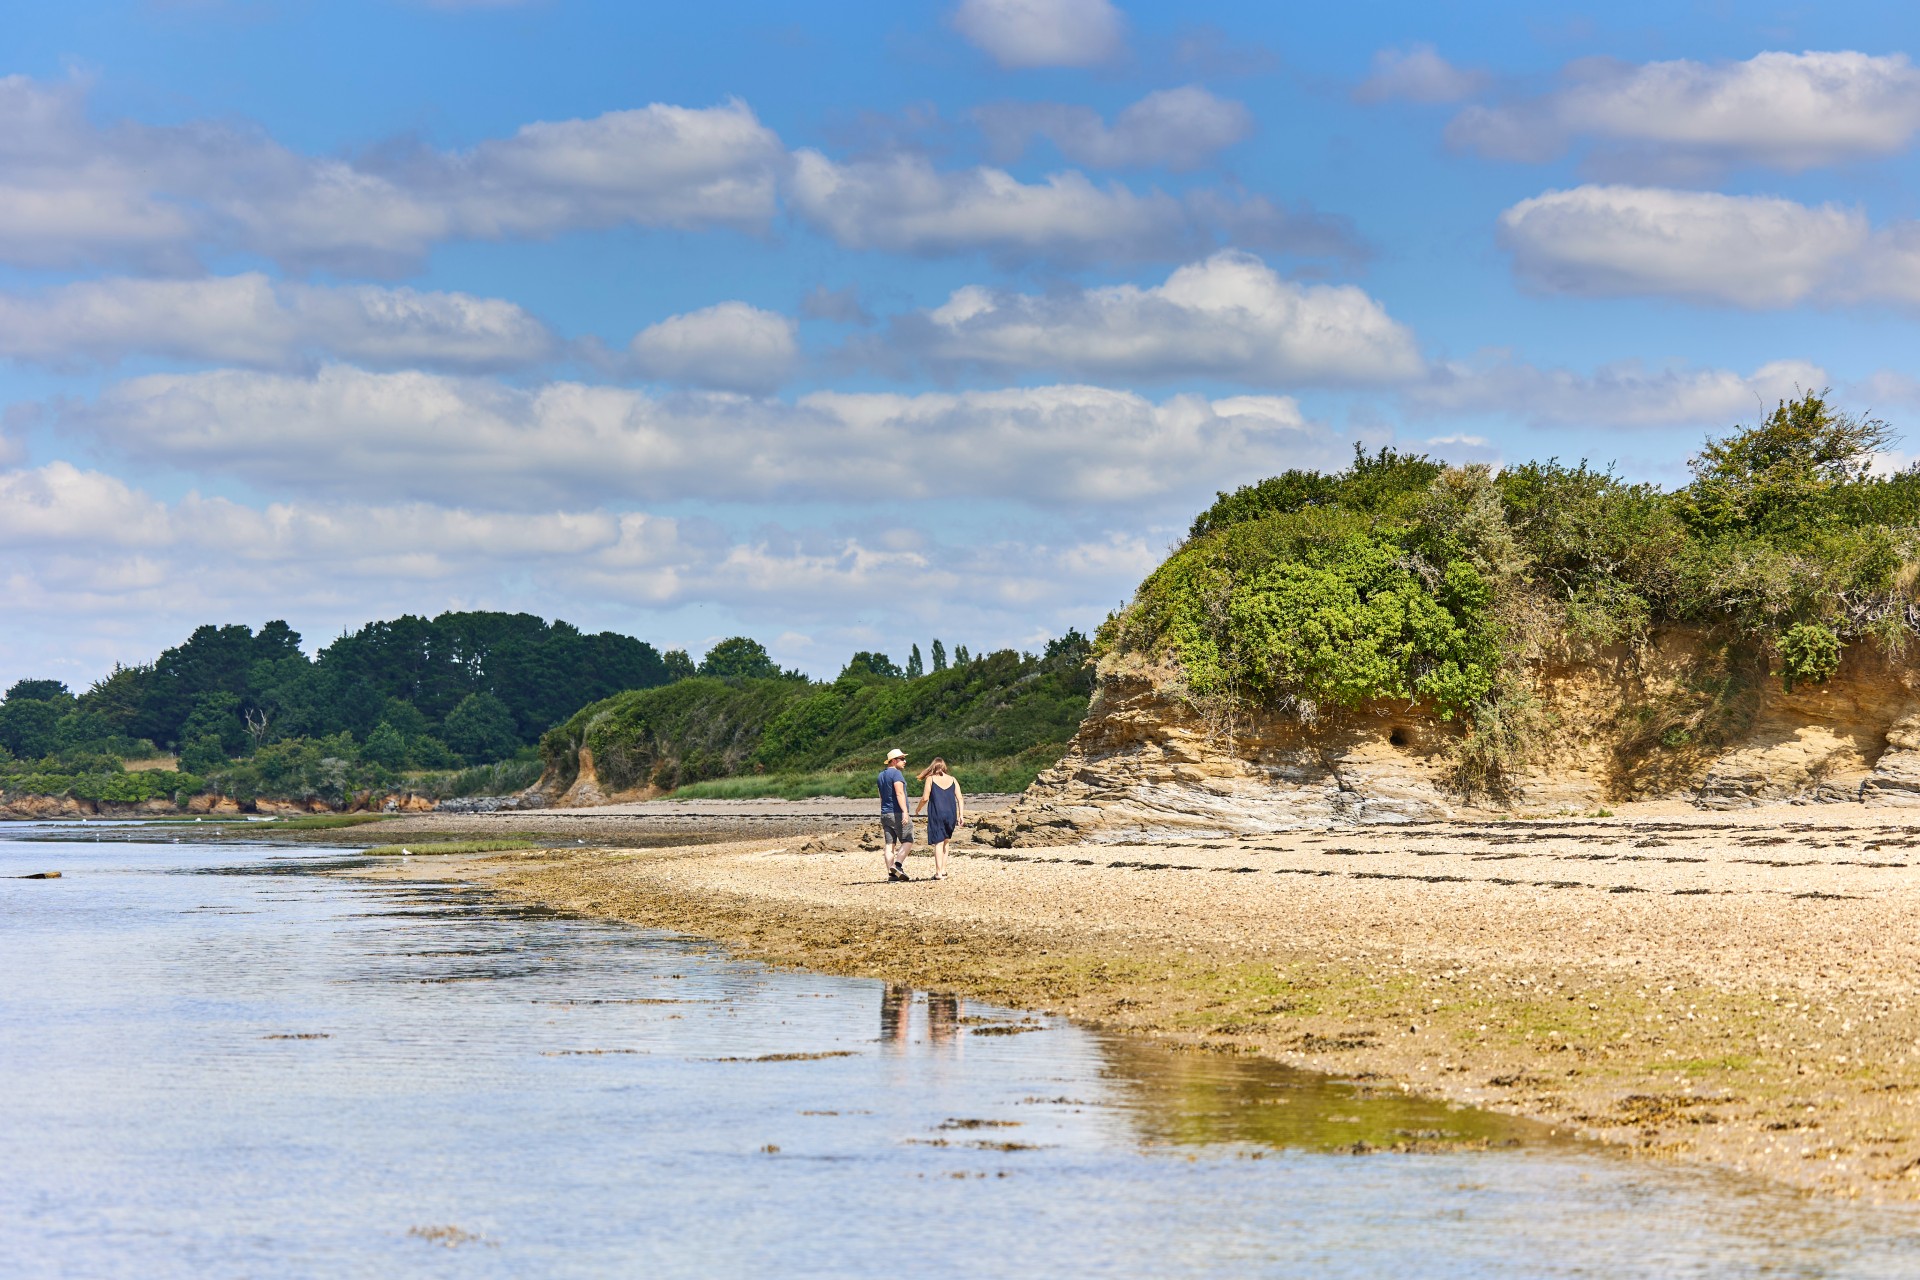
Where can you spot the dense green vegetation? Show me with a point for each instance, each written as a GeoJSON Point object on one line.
{"type": "Point", "coordinates": [463, 696]}
{"type": "Point", "coordinates": [1403, 579]}
{"type": "Point", "coordinates": [451, 706]}
{"type": "Point", "coordinates": [999, 719]}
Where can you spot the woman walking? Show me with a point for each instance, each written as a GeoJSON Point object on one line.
{"type": "Point", "coordinates": [946, 810]}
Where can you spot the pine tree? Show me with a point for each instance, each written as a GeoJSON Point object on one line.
{"type": "Point", "coordinates": [939, 656]}
{"type": "Point", "coordinates": [960, 658]}
{"type": "Point", "coordinates": [914, 669]}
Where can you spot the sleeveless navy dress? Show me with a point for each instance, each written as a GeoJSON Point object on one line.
{"type": "Point", "coordinates": [943, 813]}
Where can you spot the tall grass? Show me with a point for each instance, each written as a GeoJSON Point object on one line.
{"type": "Point", "coordinates": [443, 847]}
{"type": "Point", "coordinates": [329, 821]}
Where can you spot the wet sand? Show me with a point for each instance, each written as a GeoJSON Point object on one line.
{"type": "Point", "coordinates": [1733, 989]}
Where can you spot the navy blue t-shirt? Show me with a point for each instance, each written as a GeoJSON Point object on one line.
{"type": "Point", "coordinates": [889, 776]}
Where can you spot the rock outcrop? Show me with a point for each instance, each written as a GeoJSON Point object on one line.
{"type": "Point", "coordinates": [1665, 721]}
{"type": "Point", "coordinates": [45, 807]}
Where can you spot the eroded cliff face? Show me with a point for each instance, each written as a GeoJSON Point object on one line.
{"type": "Point", "coordinates": [1674, 719]}
{"type": "Point", "coordinates": [583, 790]}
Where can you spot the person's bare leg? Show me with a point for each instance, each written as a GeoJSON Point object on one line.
{"type": "Point", "coordinates": [940, 860]}
{"type": "Point", "coordinates": [886, 855]}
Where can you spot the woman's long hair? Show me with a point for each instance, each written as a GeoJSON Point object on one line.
{"type": "Point", "coordinates": [935, 768]}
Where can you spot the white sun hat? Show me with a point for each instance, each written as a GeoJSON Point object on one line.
{"type": "Point", "coordinates": [896, 754]}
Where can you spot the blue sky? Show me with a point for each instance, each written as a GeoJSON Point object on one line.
{"type": "Point", "coordinates": [852, 325]}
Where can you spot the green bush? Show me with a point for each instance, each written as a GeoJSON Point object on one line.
{"type": "Point", "coordinates": [502, 778]}
{"type": "Point", "coordinates": [1809, 654]}
{"type": "Point", "coordinates": [1320, 606]}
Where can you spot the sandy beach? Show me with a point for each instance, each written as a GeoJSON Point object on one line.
{"type": "Point", "coordinates": [1733, 989]}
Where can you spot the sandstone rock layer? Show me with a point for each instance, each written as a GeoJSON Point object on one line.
{"type": "Point", "coordinates": [1675, 719]}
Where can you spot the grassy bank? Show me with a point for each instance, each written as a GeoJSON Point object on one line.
{"type": "Point", "coordinates": [447, 848]}
{"type": "Point", "coordinates": [329, 821]}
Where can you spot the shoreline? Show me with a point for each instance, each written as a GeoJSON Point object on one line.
{"type": "Point", "coordinates": [1732, 990]}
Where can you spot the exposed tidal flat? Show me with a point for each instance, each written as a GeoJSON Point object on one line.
{"type": "Point", "coordinates": [1730, 990]}
{"type": "Point", "coordinates": [236, 1057]}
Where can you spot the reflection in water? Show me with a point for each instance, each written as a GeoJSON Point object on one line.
{"type": "Point", "coordinates": [1184, 1098]}
{"type": "Point", "coordinates": [896, 1016]}
{"type": "Point", "coordinates": [943, 1017]}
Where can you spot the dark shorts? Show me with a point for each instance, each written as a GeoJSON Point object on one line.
{"type": "Point", "coordinates": [897, 827]}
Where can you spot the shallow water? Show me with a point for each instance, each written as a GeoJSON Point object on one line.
{"type": "Point", "coordinates": [216, 1062]}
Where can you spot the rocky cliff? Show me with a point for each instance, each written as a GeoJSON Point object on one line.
{"type": "Point", "coordinates": [1678, 718]}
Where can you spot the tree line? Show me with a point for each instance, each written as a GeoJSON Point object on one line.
{"type": "Point", "coordinates": [248, 714]}
{"type": "Point", "coordinates": [411, 691]}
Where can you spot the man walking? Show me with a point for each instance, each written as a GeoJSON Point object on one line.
{"type": "Point", "coordinates": [896, 828]}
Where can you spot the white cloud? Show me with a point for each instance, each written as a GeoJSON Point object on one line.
{"type": "Point", "coordinates": [658, 165]}
{"type": "Point", "coordinates": [1752, 251]}
{"type": "Point", "coordinates": [1043, 33]}
{"type": "Point", "coordinates": [73, 193]}
{"type": "Point", "coordinates": [423, 437]}
{"type": "Point", "coordinates": [732, 346]}
{"type": "Point", "coordinates": [96, 570]}
{"type": "Point", "coordinates": [1230, 316]}
{"type": "Point", "coordinates": [904, 205]}
{"type": "Point", "coordinates": [1747, 251]}
{"type": "Point", "coordinates": [251, 320]}
{"type": "Point", "coordinates": [1625, 394]}
{"type": "Point", "coordinates": [1418, 74]}
{"type": "Point", "coordinates": [1782, 110]}
{"type": "Point", "coordinates": [1178, 128]}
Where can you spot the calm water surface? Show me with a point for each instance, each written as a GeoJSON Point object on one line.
{"type": "Point", "coordinates": [219, 1061]}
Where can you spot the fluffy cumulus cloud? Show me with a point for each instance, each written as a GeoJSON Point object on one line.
{"type": "Point", "coordinates": [1782, 110]}
{"type": "Point", "coordinates": [903, 204]}
{"type": "Point", "coordinates": [253, 321]}
{"type": "Point", "coordinates": [1176, 128]}
{"type": "Point", "coordinates": [1418, 74]}
{"type": "Point", "coordinates": [424, 437]}
{"type": "Point", "coordinates": [1747, 251]}
{"type": "Point", "coordinates": [1230, 316]}
{"type": "Point", "coordinates": [1627, 394]}
{"type": "Point", "coordinates": [73, 193]}
{"type": "Point", "coordinates": [1043, 33]}
{"type": "Point", "coordinates": [732, 346]}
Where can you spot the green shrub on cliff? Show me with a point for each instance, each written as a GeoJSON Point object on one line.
{"type": "Point", "coordinates": [1401, 579]}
